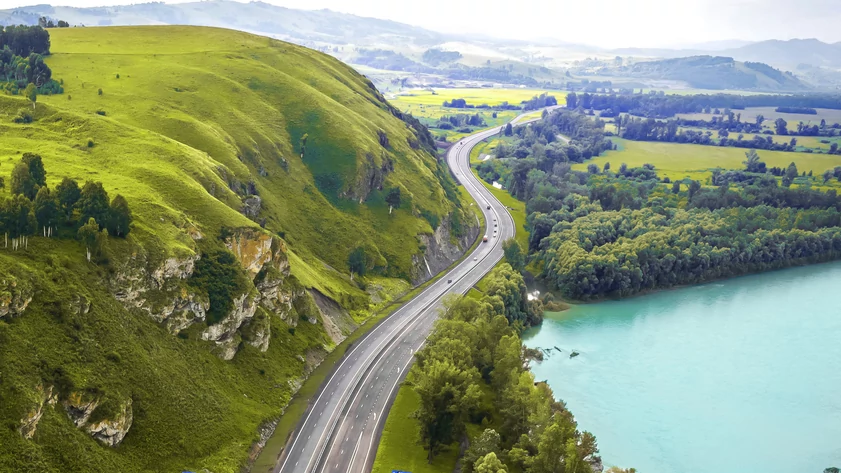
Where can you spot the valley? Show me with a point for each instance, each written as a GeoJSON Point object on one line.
{"type": "Point", "coordinates": [250, 237]}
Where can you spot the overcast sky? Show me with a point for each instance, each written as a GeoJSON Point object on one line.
{"type": "Point", "coordinates": [610, 23]}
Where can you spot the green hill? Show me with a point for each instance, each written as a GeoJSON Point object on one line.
{"type": "Point", "coordinates": [223, 143]}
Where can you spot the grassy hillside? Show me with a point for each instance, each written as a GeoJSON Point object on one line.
{"type": "Point", "coordinates": [716, 72]}
{"type": "Point", "coordinates": [194, 126]}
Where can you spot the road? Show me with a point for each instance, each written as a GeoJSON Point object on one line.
{"type": "Point", "coordinates": [340, 430]}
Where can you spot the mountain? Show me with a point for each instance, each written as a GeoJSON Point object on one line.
{"type": "Point", "coordinates": [259, 175]}
{"type": "Point", "coordinates": [789, 54]}
{"type": "Point", "coordinates": [714, 72]}
{"type": "Point", "coordinates": [298, 26]}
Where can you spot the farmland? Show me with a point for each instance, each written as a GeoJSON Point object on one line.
{"type": "Point", "coordinates": [427, 105]}
{"type": "Point", "coordinates": [679, 161]}
{"type": "Point", "coordinates": [749, 115]}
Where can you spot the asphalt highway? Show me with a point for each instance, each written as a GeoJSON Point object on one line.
{"type": "Point", "coordinates": [341, 428]}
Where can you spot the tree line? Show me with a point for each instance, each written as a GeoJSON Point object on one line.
{"type": "Point", "coordinates": [22, 51]}
{"type": "Point", "coordinates": [475, 347]}
{"type": "Point", "coordinates": [34, 209]}
{"type": "Point", "coordinates": [25, 40]}
{"type": "Point", "coordinates": [660, 105]}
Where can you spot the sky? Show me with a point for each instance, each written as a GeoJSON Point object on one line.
{"type": "Point", "coordinates": [606, 23]}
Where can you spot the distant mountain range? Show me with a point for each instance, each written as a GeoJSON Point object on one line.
{"type": "Point", "coordinates": [785, 54]}
{"type": "Point", "coordinates": [400, 47]}
{"type": "Point", "coordinates": [299, 26]}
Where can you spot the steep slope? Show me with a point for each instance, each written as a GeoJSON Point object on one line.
{"type": "Point", "coordinates": [223, 143]}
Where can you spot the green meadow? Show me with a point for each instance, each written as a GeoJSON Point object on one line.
{"type": "Point", "coordinates": [185, 123]}
{"type": "Point", "coordinates": [680, 161]}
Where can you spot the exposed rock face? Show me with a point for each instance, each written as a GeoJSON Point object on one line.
{"type": "Point", "coordinates": [371, 176]}
{"type": "Point", "coordinates": [337, 321]}
{"type": "Point", "coordinates": [112, 432]}
{"type": "Point", "coordinates": [15, 296]}
{"type": "Point", "coordinates": [29, 423]}
{"type": "Point", "coordinates": [595, 463]}
{"type": "Point", "coordinates": [224, 333]}
{"type": "Point", "coordinates": [161, 293]}
{"type": "Point", "coordinates": [441, 250]}
{"type": "Point", "coordinates": [251, 206]}
{"type": "Point", "coordinates": [78, 409]}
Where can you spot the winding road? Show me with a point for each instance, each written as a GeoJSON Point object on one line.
{"type": "Point", "coordinates": [341, 428]}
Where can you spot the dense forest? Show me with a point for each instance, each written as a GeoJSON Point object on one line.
{"type": "Point", "coordinates": [619, 231]}
{"type": "Point", "coordinates": [474, 349]}
{"type": "Point", "coordinates": [22, 51]}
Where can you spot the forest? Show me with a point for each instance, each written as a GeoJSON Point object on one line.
{"type": "Point", "coordinates": [22, 51]}
{"type": "Point", "coordinates": [615, 232]}
{"type": "Point", "coordinates": [85, 212]}
{"type": "Point", "coordinates": [473, 370]}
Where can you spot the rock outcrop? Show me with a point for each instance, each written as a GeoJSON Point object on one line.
{"type": "Point", "coordinates": [112, 431]}
{"type": "Point", "coordinates": [29, 423]}
{"type": "Point", "coordinates": [441, 249]}
{"type": "Point", "coordinates": [15, 296]}
{"type": "Point", "coordinates": [80, 409]}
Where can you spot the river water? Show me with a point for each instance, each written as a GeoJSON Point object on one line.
{"type": "Point", "coordinates": [736, 376]}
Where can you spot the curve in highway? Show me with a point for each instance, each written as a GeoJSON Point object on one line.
{"type": "Point", "coordinates": [341, 429]}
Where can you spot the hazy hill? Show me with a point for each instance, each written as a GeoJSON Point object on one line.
{"type": "Point", "coordinates": [716, 72]}
{"type": "Point", "coordinates": [294, 25]}
{"type": "Point", "coordinates": [790, 53]}
{"type": "Point", "coordinates": [210, 135]}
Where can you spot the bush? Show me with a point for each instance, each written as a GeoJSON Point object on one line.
{"type": "Point", "coordinates": [118, 76]}
{"type": "Point", "coordinates": [99, 92]}
{"type": "Point", "coordinates": [218, 273]}
{"type": "Point", "coordinates": [100, 112]}
{"type": "Point", "coordinates": [91, 143]}
{"type": "Point", "coordinates": [23, 117]}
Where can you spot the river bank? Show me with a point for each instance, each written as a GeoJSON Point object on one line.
{"type": "Point", "coordinates": [745, 367]}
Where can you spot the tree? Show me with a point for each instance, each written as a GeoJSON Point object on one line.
{"type": "Point", "coordinates": [28, 175]}
{"type": "Point", "coordinates": [509, 130]}
{"type": "Point", "coordinates": [393, 199]}
{"type": "Point", "coordinates": [68, 194]}
{"type": "Point", "coordinates": [490, 464]}
{"type": "Point", "coordinates": [88, 236]}
{"type": "Point", "coordinates": [514, 254]}
{"type": "Point", "coordinates": [780, 126]}
{"type": "Point", "coordinates": [623, 169]}
{"type": "Point", "coordinates": [447, 394]}
{"type": "Point", "coordinates": [120, 217]}
{"type": "Point", "coordinates": [694, 187]}
{"type": "Point", "coordinates": [827, 175]}
{"type": "Point", "coordinates": [676, 187]}
{"type": "Point", "coordinates": [93, 203]}
{"type": "Point", "coordinates": [46, 210]}
{"type": "Point", "coordinates": [357, 261]}
{"type": "Point", "coordinates": [481, 445]}
{"type": "Point", "coordinates": [606, 167]}
{"type": "Point", "coordinates": [759, 119]}
{"type": "Point", "coordinates": [592, 169]}
{"type": "Point", "coordinates": [790, 175]}
{"type": "Point", "coordinates": [31, 93]}
{"type": "Point", "coordinates": [753, 163]}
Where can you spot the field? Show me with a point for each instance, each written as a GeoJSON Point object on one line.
{"type": "Point", "coordinates": [185, 122]}
{"type": "Point", "coordinates": [749, 115]}
{"type": "Point", "coordinates": [679, 161]}
{"type": "Point", "coordinates": [427, 105]}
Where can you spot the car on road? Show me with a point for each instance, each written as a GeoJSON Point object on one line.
{"type": "Point", "coordinates": [449, 281]}
{"type": "Point", "coordinates": [485, 239]}
{"type": "Point", "coordinates": [489, 207]}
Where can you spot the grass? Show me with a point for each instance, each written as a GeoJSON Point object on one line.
{"type": "Point", "coordinates": [679, 161]}
{"type": "Point", "coordinates": [195, 115]}
{"type": "Point", "coordinates": [428, 105]}
{"type": "Point", "coordinates": [399, 448]}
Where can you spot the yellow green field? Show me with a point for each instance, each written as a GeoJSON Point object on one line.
{"type": "Point", "coordinates": [679, 161]}
{"type": "Point", "coordinates": [474, 96]}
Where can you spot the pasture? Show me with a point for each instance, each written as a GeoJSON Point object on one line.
{"type": "Point", "coordinates": [749, 115]}
{"type": "Point", "coordinates": [680, 161]}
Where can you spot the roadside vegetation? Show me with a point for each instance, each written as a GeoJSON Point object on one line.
{"type": "Point", "coordinates": [471, 382]}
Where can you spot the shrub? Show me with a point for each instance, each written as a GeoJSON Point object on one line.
{"type": "Point", "coordinates": [23, 117]}
{"type": "Point", "coordinates": [118, 76]}
{"type": "Point", "coordinates": [99, 91]}
{"type": "Point", "coordinates": [100, 112]}
{"type": "Point", "coordinates": [91, 143]}
{"type": "Point", "coordinates": [218, 273]}
{"type": "Point", "coordinates": [69, 97]}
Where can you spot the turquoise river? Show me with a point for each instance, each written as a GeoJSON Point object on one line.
{"type": "Point", "coordinates": [736, 376]}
